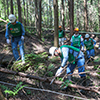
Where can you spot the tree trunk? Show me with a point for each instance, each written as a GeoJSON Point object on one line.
{"type": "Point", "coordinates": [67, 21]}
{"type": "Point", "coordinates": [4, 4]}
{"type": "Point", "coordinates": [24, 13]}
{"type": "Point", "coordinates": [40, 19]}
{"type": "Point", "coordinates": [12, 11]}
{"type": "Point", "coordinates": [55, 4]}
{"type": "Point", "coordinates": [85, 15]}
{"type": "Point", "coordinates": [77, 11]}
{"type": "Point", "coordinates": [99, 13]}
{"type": "Point", "coordinates": [63, 23]}
{"type": "Point", "coordinates": [27, 12]}
{"type": "Point", "coordinates": [71, 16]}
{"type": "Point", "coordinates": [19, 11]}
{"type": "Point", "coordinates": [7, 7]}
{"type": "Point", "coordinates": [36, 17]}
{"type": "Point", "coordinates": [50, 5]}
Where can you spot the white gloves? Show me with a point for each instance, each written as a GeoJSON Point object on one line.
{"type": "Point", "coordinates": [8, 41]}
{"type": "Point", "coordinates": [82, 48]}
{"type": "Point", "coordinates": [59, 71]}
{"type": "Point", "coordinates": [22, 37]}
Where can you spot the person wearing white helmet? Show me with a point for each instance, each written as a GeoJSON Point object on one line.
{"type": "Point", "coordinates": [71, 54]}
{"type": "Point", "coordinates": [17, 32]}
{"type": "Point", "coordinates": [89, 43]}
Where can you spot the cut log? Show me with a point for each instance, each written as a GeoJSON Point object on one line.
{"type": "Point", "coordinates": [48, 80]}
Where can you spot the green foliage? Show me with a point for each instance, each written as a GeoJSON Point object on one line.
{"type": "Point", "coordinates": [3, 87]}
{"type": "Point", "coordinates": [51, 66]}
{"type": "Point", "coordinates": [28, 92]}
{"type": "Point", "coordinates": [96, 66]}
{"type": "Point", "coordinates": [36, 60]}
{"type": "Point", "coordinates": [15, 90]}
{"type": "Point", "coordinates": [50, 74]}
{"type": "Point", "coordinates": [66, 83]}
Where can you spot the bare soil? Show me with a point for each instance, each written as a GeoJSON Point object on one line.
{"type": "Point", "coordinates": [33, 45]}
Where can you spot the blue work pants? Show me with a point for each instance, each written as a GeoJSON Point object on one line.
{"type": "Point", "coordinates": [15, 41]}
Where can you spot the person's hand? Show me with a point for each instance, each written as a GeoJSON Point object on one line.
{"type": "Point", "coordinates": [8, 41]}
{"type": "Point", "coordinates": [22, 37]}
{"type": "Point", "coordinates": [82, 49]}
{"type": "Point", "coordinates": [59, 71]}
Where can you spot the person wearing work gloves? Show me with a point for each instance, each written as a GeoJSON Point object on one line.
{"type": "Point", "coordinates": [61, 36]}
{"type": "Point", "coordinates": [71, 54]}
{"type": "Point", "coordinates": [89, 43]}
{"type": "Point", "coordinates": [77, 40]}
{"type": "Point", "coordinates": [17, 32]}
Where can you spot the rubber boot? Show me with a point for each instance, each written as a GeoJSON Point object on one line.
{"type": "Point", "coordinates": [66, 88]}
{"type": "Point", "coordinates": [83, 84]}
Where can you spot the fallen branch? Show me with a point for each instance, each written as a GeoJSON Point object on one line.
{"type": "Point", "coordinates": [47, 80]}
{"type": "Point", "coordinates": [44, 90]}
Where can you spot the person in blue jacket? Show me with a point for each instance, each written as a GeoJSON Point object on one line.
{"type": "Point", "coordinates": [17, 32]}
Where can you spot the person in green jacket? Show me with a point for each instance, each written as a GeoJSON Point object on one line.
{"type": "Point", "coordinates": [77, 40]}
{"type": "Point", "coordinates": [71, 54]}
{"type": "Point", "coordinates": [89, 43]}
{"type": "Point", "coordinates": [17, 32]}
{"type": "Point", "coordinates": [61, 36]}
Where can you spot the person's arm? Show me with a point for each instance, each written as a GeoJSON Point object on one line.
{"type": "Point", "coordinates": [65, 56]}
{"type": "Point", "coordinates": [7, 33]}
{"type": "Point", "coordinates": [71, 42]}
{"type": "Point", "coordinates": [23, 30]}
{"type": "Point", "coordinates": [63, 61]}
{"type": "Point", "coordinates": [94, 42]}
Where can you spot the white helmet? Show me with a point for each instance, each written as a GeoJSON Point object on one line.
{"type": "Point", "coordinates": [52, 50]}
{"type": "Point", "coordinates": [87, 36]}
{"type": "Point", "coordinates": [12, 18]}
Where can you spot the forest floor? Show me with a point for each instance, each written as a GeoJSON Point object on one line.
{"type": "Point", "coordinates": [34, 46]}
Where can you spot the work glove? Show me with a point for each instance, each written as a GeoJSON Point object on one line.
{"type": "Point", "coordinates": [59, 71]}
{"type": "Point", "coordinates": [82, 49]}
{"type": "Point", "coordinates": [8, 41]}
{"type": "Point", "coordinates": [22, 37]}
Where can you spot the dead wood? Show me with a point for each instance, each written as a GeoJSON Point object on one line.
{"type": "Point", "coordinates": [48, 80]}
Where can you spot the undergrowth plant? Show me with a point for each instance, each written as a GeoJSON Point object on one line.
{"type": "Point", "coordinates": [66, 83]}
{"type": "Point", "coordinates": [15, 90]}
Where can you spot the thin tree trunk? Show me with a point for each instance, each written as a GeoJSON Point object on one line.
{"type": "Point", "coordinates": [78, 14]}
{"type": "Point", "coordinates": [7, 7]}
{"type": "Point", "coordinates": [50, 18]}
{"type": "Point", "coordinates": [99, 13]}
{"type": "Point", "coordinates": [27, 12]}
{"type": "Point", "coordinates": [12, 11]}
{"type": "Point", "coordinates": [19, 11]}
{"type": "Point", "coordinates": [67, 21]}
{"type": "Point", "coordinates": [86, 18]}
{"type": "Point", "coordinates": [40, 19]}
{"type": "Point", "coordinates": [71, 16]}
{"type": "Point", "coordinates": [36, 17]}
{"type": "Point", "coordinates": [4, 3]}
{"type": "Point", "coordinates": [24, 13]}
{"type": "Point", "coordinates": [63, 23]}
{"type": "Point", "coordinates": [55, 4]}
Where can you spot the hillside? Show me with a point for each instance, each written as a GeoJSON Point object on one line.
{"type": "Point", "coordinates": [38, 64]}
